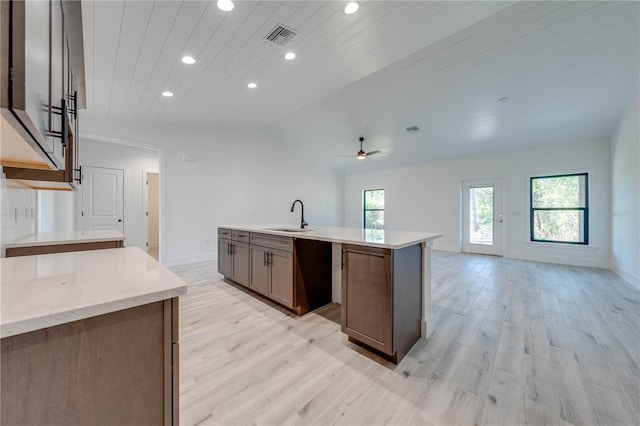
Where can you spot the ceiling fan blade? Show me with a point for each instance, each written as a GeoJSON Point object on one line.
{"type": "Point", "coordinates": [372, 152]}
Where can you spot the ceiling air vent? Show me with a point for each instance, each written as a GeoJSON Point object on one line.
{"type": "Point", "coordinates": [281, 35]}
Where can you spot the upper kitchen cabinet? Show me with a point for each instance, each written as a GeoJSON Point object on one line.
{"type": "Point", "coordinates": [42, 89]}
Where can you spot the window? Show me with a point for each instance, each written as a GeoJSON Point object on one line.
{"type": "Point", "coordinates": [373, 209]}
{"type": "Point", "coordinates": [560, 208]}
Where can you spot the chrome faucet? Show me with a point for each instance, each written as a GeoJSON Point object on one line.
{"type": "Point", "coordinates": [302, 222]}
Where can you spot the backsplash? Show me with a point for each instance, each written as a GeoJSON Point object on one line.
{"type": "Point", "coordinates": [18, 212]}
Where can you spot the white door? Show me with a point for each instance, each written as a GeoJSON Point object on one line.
{"type": "Point", "coordinates": [482, 217]}
{"type": "Point", "coordinates": [102, 199]}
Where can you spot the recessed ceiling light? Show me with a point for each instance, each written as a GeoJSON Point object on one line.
{"type": "Point", "coordinates": [252, 85]}
{"type": "Point", "coordinates": [167, 94]}
{"type": "Point", "coordinates": [188, 60]}
{"type": "Point", "coordinates": [351, 8]}
{"type": "Point", "coordinates": [225, 5]}
{"type": "Point", "coordinates": [289, 56]}
{"type": "Point", "coordinates": [504, 99]}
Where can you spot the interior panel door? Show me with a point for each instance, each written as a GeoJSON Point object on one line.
{"type": "Point", "coordinates": [102, 199]}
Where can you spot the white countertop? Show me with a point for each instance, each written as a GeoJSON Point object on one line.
{"type": "Point", "coordinates": [54, 238]}
{"type": "Point", "coordinates": [51, 289]}
{"type": "Point", "coordinates": [364, 237]}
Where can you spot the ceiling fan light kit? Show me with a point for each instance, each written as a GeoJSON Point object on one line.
{"type": "Point", "coordinates": [361, 155]}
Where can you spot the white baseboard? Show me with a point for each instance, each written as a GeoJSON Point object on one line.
{"type": "Point", "coordinates": [625, 275]}
{"type": "Point", "coordinates": [185, 260]}
{"type": "Point", "coordinates": [439, 247]}
{"type": "Point", "coordinates": [563, 260]}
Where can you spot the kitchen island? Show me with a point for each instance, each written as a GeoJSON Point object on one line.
{"type": "Point", "coordinates": [382, 279]}
{"type": "Point", "coordinates": [89, 337]}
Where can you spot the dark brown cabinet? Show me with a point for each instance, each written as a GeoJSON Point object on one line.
{"type": "Point", "coordinates": [120, 368]}
{"type": "Point", "coordinates": [272, 267]}
{"type": "Point", "coordinates": [272, 274]}
{"type": "Point", "coordinates": [233, 255]}
{"type": "Point", "coordinates": [381, 298]}
{"type": "Point", "coordinates": [41, 74]}
{"type": "Point", "coordinates": [294, 273]}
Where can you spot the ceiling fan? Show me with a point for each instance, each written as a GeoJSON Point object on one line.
{"type": "Point", "coordinates": [361, 155]}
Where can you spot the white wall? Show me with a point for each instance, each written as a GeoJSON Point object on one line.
{"type": "Point", "coordinates": [133, 161]}
{"type": "Point", "coordinates": [427, 197]}
{"type": "Point", "coordinates": [625, 194]}
{"type": "Point", "coordinates": [153, 207]}
{"type": "Point", "coordinates": [241, 175]}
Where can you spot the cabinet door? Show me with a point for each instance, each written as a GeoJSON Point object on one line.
{"type": "Point", "coordinates": [367, 296]}
{"type": "Point", "coordinates": [30, 92]}
{"type": "Point", "coordinates": [57, 83]}
{"type": "Point", "coordinates": [240, 263]}
{"type": "Point", "coordinates": [224, 258]}
{"type": "Point", "coordinates": [281, 289]}
{"type": "Point", "coordinates": [260, 271]}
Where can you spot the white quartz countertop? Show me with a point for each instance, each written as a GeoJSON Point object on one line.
{"type": "Point", "coordinates": [364, 237]}
{"type": "Point", "coordinates": [51, 289]}
{"type": "Point", "coordinates": [54, 238]}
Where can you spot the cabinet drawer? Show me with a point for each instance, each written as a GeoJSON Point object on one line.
{"type": "Point", "coordinates": [242, 236]}
{"type": "Point", "coordinates": [224, 233]}
{"type": "Point", "coordinates": [272, 241]}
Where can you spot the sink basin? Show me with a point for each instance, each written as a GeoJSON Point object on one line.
{"type": "Point", "coordinates": [288, 229]}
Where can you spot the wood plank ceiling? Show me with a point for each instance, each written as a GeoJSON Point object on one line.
{"type": "Point", "coordinates": [568, 69]}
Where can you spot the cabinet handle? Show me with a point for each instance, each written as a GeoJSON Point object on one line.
{"type": "Point", "coordinates": [264, 258]}
{"type": "Point", "coordinates": [61, 110]}
{"type": "Point", "coordinates": [342, 258]}
{"type": "Point", "coordinates": [74, 98]}
{"type": "Point", "coordinates": [268, 260]}
{"type": "Point", "coordinates": [231, 249]}
{"type": "Point", "coordinates": [78, 171]}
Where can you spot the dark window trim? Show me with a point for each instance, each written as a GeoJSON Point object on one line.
{"type": "Point", "coordinates": [585, 209]}
{"type": "Point", "coordinates": [365, 209]}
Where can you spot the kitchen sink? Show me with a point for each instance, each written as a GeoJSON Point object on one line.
{"type": "Point", "coordinates": [288, 229]}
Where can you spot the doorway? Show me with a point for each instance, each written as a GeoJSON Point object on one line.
{"type": "Point", "coordinates": [482, 217]}
{"type": "Point", "coordinates": [102, 199]}
{"type": "Point", "coordinates": [152, 213]}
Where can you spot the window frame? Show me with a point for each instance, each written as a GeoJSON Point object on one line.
{"type": "Point", "coordinates": [584, 209]}
{"type": "Point", "coordinates": [365, 209]}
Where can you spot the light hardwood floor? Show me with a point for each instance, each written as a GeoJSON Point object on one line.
{"type": "Point", "coordinates": [515, 342]}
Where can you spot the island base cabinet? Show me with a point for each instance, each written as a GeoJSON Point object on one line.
{"type": "Point", "coordinates": [118, 368]}
{"type": "Point", "coordinates": [225, 260]}
{"type": "Point", "coordinates": [260, 272]}
{"type": "Point", "coordinates": [381, 298]}
{"type": "Point", "coordinates": [272, 274]}
{"type": "Point", "coordinates": [281, 288]}
{"type": "Point", "coordinates": [367, 296]}
{"type": "Point", "coordinates": [295, 273]}
{"type": "Point", "coordinates": [233, 256]}
{"type": "Point", "coordinates": [240, 268]}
